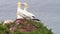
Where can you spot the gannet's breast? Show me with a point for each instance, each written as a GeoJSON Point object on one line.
{"type": "Point", "coordinates": [19, 12]}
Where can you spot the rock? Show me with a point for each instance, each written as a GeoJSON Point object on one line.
{"type": "Point", "coordinates": [21, 21]}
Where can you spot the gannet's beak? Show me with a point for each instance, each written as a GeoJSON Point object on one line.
{"type": "Point", "coordinates": [25, 3]}
{"type": "Point", "coordinates": [22, 3]}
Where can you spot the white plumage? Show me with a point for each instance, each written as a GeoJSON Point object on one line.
{"type": "Point", "coordinates": [28, 14]}
{"type": "Point", "coordinates": [24, 13]}
{"type": "Point", "coordinates": [19, 11]}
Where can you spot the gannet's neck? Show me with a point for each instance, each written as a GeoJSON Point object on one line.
{"type": "Point", "coordinates": [25, 8]}
{"type": "Point", "coordinates": [19, 7]}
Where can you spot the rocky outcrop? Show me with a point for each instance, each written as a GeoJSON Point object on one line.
{"type": "Point", "coordinates": [23, 26]}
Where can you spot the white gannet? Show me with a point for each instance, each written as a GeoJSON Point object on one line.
{"type": "Point", "coordinates": [19, 11]}
{"type": "Point", "coordinates": [26, 13]}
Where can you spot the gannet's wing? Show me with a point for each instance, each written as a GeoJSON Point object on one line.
{"type": "Point", "coordinates": [28, 13]}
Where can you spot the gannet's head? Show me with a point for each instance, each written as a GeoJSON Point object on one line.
{"type": "Point", "coordinates": [19, 4]}
{"type": "Point", "coordinates": [25, 6]}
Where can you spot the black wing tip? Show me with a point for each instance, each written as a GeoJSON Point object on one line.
{"type": "Point", "coordinates": [36, 19]}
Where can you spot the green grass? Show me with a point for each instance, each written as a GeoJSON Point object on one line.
{"type": "Point", "coordinates": [41, 29]}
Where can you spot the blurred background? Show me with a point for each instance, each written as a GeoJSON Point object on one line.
{"type": "Point", "coordinates": [48, 11]}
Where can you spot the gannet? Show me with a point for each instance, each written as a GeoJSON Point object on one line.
{"type": "Point", "coordinates": [32, 16]}
{"type": "Point", "coordinates": [26, 13]}
{"type": "Point", "coordinates": [19, 11]}
{"type": "Point", "coordinates": [23, 13]}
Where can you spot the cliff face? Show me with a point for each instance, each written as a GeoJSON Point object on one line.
{"type": "Point", "coordinates": [23, 26]}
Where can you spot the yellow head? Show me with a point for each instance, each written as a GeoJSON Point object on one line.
{"type": "Point", "coordinates": [19, 4]}
{"type": "Point", "coordinates": [25, 6]}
